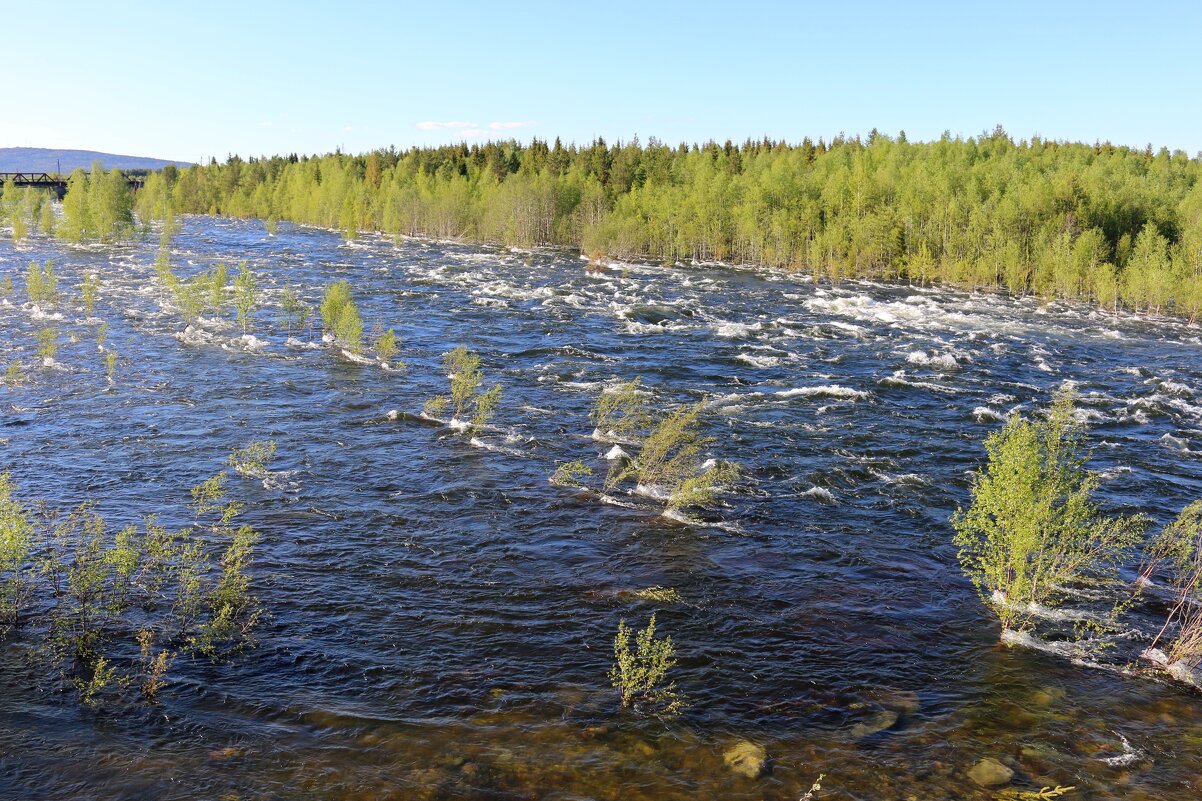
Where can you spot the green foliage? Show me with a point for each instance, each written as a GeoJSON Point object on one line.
{"type": "Point", "coordinates": [293, 310]}
{"type": "Point", "coordinates": [47, 339]}
{"type": "Point", "coordinates": [218, 278]}
{"type": "Point", "coordinates": [621, 412]}
{"type": "Point", "coordinates": [245, 296]}
{"type": "Point", "coordinates": [191, 296]}
{"type": "Point", "coordinates": [102, 332]}
{"type": "Point", "coordinates": [337, 296]}
{"type": "Point", "coordinates": [569, 474]}
{"type": "Point", "coordinates": [669, 464]}
{"type": "Point", "coordinates": [641, 675]}
{"type": "Point", "coordinates": [14, 374]}
{"type": "Point", "coordinates": [436, 407]}
{"type": "Point", "coordinates": [98, 205]}
{"type": "Point", "coordinates": [88, 291]}
{"type": "Point", "coordinates": [466, 400]}
{"type": "Point", "coordinates": [252, 460]}
{"type": "Point", "coordinates": [1176, 554]}
{"type": "Point", "coordinates": [657, 594]}
{"type": "Point", "coordinates": [1033, 528]}
{"type": "Point", "coordinates": [110, 364]}
{"type": "Point", "coordinates": [41, 284]}
{"type": "Point", "coordinates": [16, 535]}
{"type": "Point", "coordinates": [93, 592]}
{"type": "Point", "coordinates": [387, 346]}
{"type": "Point", "coordinates": [340, 317]}
{"type": "Point", "coordinates": [6, 286]}
{"type": "Point", "coordinates": [1111, 225]}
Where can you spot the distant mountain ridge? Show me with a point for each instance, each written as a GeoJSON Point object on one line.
{"type": "Point", "coordinates": [41, 159]}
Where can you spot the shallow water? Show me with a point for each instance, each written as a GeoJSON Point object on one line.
{"type": "Point", "coordinates": [441, 616]}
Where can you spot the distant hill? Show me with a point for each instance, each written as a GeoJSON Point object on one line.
{"type": "Point", "coordinates": [40, 159]}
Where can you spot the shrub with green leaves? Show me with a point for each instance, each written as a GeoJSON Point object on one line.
{"type": "Point", "coordinates": [466, 401]}
{"type": "Point", "coordinates": [252, 460]}
{"type": "Point", "coordinates": [41, 284]}
{"type": "Point", "coordinates": [340, 317]}
{"type": "Point", "coordinates": [621, 412]}
{"type": "Point", "coordinates": [110, 602]}
{"type": "Point", "coordinates": [669, 464]}
{"type": "Point", "coordinates": [1033, 528]}
{"type": "Point", "coordinates": [245, 296]}
{"type": "Point", "coordinates": [641, 674]}
{"type": "Point", "coordinates": [47, 339]}
{"type": "Point", "coordinates": [387, 346]}
{"type": "Point", "coordinates": [293, 310]}
{"type": "Point", "coordinates": [569, 474]}
{"type": "Point", "coordinates": [88, 291]}
{"type": "Point", "coordinates": [1175, 557]}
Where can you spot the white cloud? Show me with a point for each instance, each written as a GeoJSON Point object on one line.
{"type": "Point", "coordinates": [265, 124]}
{"type": "Point", "coordinates": [474, 132]}
{"type": "Point", "coordinates": [507, 126]}
{"type": "Point", "coordinates": [442, 126]}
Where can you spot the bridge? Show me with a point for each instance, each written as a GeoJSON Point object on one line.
{"type": "Point", "coordinates": [55, 182]}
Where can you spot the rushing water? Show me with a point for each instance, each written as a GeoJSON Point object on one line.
{"type": "Point", "coordinates": [442, 617]}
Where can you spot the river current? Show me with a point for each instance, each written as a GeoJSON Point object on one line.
{"type": "Point", "coordinates": [441, 617]}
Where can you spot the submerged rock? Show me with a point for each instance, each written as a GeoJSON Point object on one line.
{"type": "Point", "coordinates": [746, 758]}
{"type": "Point", "coordinates": [874, 724]}
{"type": "Point", "coordinates": [990, 773]}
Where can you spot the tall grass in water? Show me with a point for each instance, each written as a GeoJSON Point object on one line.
{"type": "Point", "coordinates": [1033, 527]}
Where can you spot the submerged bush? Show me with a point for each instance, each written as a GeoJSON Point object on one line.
{"type": "Point", "coordinates": [669, 464]}
{"type": "Point", "coordinates": [115, 608]}
{"type": "Point", "coordinates": [387, 346]}
{"type": "Point", "coordinates": [293, 310]}
{"type": "Point", "coordinates": [340, 317]}
{"type": "Point", "coordinates": [641, 674]}
{"type": "Point", "coordinates": [466, 401]}
{"type": "Point", "coordinates": [41, 284]}
{"type": "Point", "coordinates": [47, 339]}
{"type": "Point", "coordinates": [110, 364]}
{"type": "Point", "coordinates": [569, 474]}
{"type": "Point", "coordinates": [1176, 554]}
{"type": "Point", "coordinates": [621, 412]}
{"type": "Point", "coordinates": [245, 296]}
{"type": "Point", "coordinates": [1033, 528]}
{"type": "Point", "coordinates": [88, 291]}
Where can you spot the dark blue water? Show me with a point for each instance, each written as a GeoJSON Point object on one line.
{"type": "Point", "coordinates": [441, 617]}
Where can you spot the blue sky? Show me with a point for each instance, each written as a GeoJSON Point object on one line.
{"type": "Point", "coordinates": [189, 81]}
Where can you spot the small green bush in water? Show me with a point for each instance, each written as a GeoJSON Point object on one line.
{"type": "Point", "coordinates": [641, 675]}
{"type": "Point", "coordinates": [47, 339]}
{"type": "Point", "coordinates": [670, 462]}
{"type": "Point", "coordinates": [621, 412]}
{"type": "Point", "coordinates": [387, 346]}
{"type": "Point", "coordinates": [340, 317]}
{"type": "Point", "coordinates": [1176, 555]}
{"type": "Point", "coordinates": [245, 296]}
{"type": "Point", "coordinates": [104, 599]}
{"type": "Point", "coordinates": [569, 474]}
{"type": "Point", "coordinates": [294, 311]}
{"type": "Point", "coordinates": [1033, 528]}
{"type": "Point", "coordinates": [466, 399]}
{"type": "Point", "coordinates": [41, 284]}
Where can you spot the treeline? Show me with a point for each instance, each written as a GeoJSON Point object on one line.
{"type": "Point", "coordinates": [1111, 225]}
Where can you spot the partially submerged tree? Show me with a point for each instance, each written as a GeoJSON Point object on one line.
{"type": "Point", "coordinates": [621, 412]}
{"type": "Point", "coordinates": [340, 317]}
{"type": "Point", "coordinates": [1033, 529]}
{"type": "Point", "coordinates": [245, 296]}
{"type": "Point", "coordinates": [669, 464]}
{"type": "Point", "coordinates": [1175, 556]}
{"type": "Point", "coordinates": [466, 401]}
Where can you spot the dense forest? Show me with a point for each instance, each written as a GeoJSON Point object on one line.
{"type": "Point", "coordinates": [1111, 225]}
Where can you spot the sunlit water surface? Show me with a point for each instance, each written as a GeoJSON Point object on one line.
{"type": "Point", "coordinates": [441, 617]}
